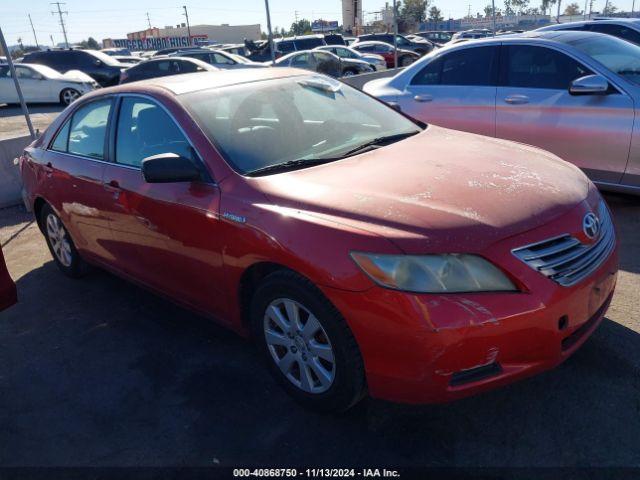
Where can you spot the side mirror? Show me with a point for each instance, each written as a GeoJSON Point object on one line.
{"type": "Point", "coordinates": [97, 62]}
{"type": "Point", "coordinates": [169, 168]}
{"type": "Point", "coordinates": [589, 85]}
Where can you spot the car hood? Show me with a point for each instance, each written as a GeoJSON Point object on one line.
{"type": "Point", "coordinates": [76, 76]}
{"type": "Point", "coordinates": [456, 191]}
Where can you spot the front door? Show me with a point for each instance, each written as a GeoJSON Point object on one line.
{"type": "Point", "coordinates": [167, 235]}
{"type": "Point", "coordinates": [534, 106]}
{"type": "Point", "coordinates": [456, 90]}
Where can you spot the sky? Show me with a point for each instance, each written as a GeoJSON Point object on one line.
{"type": "Point", "coordinates": [115, 18]}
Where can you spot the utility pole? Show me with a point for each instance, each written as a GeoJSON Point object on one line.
{"type": "Point", "coordinates": [395, 34]}
{"type": "Point", "coordinates": [60, 13]}
{"type": "Point", "coordinates": [25, 111]}
{"type": "Point", "coordinates": [469, 12]}
{"type": "Point", "coordinates": [584, 14]}
{"type": "Point", "coordinates": [34, 31]}
{"type": "Point", "coordinates": [633, 7]}
{"type": "Point", "coordinates": [558, 16]}
{"type": "Point", "coordinates": [53, 44]}
{"type": "Point", "coordinates": [493, 6]}
{"type": "Point", "coordinates": [186, 14]}
{"type": "Point", "coordinates": [149, 21]}
{"type": "Point", "coordinates": [270, 33]}
{"type": "Point", "coordinates": [606, 8]}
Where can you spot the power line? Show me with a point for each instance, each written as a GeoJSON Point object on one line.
{"type": "Point", "coordinates": [34, 31]}
{"type": "Point", "coordinates": [60, 12]}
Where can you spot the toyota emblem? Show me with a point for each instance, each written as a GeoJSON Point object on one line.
{"type": "Point", "coordinates": [591, 225]}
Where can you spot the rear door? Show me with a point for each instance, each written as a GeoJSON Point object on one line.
{"type": "Point", "coordinates": [456, 90]}
{"type": "Point", "coordinates": [34, 86]}
{"type": "Point", "coordinates": [74, 163]}
{"type": "Point", "coordinates": [534, 106]}
{"type": "Point", "coordinates": [164, 234]}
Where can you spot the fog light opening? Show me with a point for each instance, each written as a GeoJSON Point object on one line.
{"type": "Point", "coordinates": [563, 322]}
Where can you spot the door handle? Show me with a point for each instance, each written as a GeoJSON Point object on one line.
{"type": "Point", "coordinates": [48, 169]}
{"type": "Point", "coordinates": [423, 98]}
{"type": "Point", "coordinates": [517, 99]}
{"type": "Point", "coordinates": [114, 187]}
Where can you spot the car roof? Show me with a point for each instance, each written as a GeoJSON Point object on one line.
{"type": "Point", "coordinates": [194, 82]}
{"type": "Point", "coordinates": [543, 36]}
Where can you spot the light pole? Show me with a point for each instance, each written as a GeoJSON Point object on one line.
{"type": "Point", "coordinates": [25, 111]}
{"type": "Point", "coordinates": [395, 35]}
{"type": "Point", "coordinates": [270, 33]}
{"type": "Point", "coordinates": [493, 6]}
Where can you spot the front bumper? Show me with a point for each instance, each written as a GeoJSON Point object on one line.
{"type": "Point", "coordinates": [432, 348]}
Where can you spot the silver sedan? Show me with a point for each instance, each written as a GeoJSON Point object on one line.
{"type": "Point", "coordinates": [571, 93]}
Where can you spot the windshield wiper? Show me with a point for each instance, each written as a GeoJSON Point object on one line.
{"type": "Point", "coordinates": [309, 162]}
{"type": "Point", "coordinates": [290, 165]}
{"type": "Point", "coordinates": [376, 142]}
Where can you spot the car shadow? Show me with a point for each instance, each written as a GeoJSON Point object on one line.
{"type": "Point", "coordinates": [34, 108]}
{"type": "Point", "coordinates": [100, 372]}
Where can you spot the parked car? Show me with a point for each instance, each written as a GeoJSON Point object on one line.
{"type": "Point", "coordinates": [334, 39]}
{"type": "Point", "coordinates": [236, 49]}
{"type": "Point", "coordinates": [376, 61]}
{"type": "Point", "coordinates": [166, 51]}
{"type": "Point", "coordinates": [99, 66]}
{"type": "Point", "coordinates": [219, 59]}
{"type": "Point", "coordinates": [325, 62]}
{"type": "Point", "coordinates": [41, 84]}
{"type": "Point", "coordinates": [261, 52]}
{"type": "Point", "coordinates": [164, 66]}
{"type": "Point", "coordinates": [8, 292]}
{"type": "Point", "coordinates": [386, 51]}
{"type": "Point", "coordinates": [117, 52]}
{"type": "Point", "coordinates": [572, 93]}
{"type": "Point", "coordinates": [625, 28]}
{"type": "Point", "coordinates": [130, 60]}
{"type": "Point", "coordinates": [362, 251]}
{"type": "Point", "coordinates": [472, 34]}
{"type": "Point", "coordinates": [439, 37]}
{"type": "Point", "coordinates": [420, 47]}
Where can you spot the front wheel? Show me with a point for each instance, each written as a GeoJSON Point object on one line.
{"type": "Point", "coordinates": [306, 343]}
{"type": "Point", "coordinates": [348, 73]}
{"type": "Point", "coordinates": [68, 96]}
{"type": "Point", "coordinates": [405, 61]}
{"type": "Point", "coordinates": [60, 244]}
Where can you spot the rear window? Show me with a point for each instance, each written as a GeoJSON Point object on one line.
{"type": "Point", "coordinates": [286, 47]}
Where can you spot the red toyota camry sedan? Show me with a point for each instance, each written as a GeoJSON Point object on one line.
{"type": "Point", "coordinates": [363, 251]}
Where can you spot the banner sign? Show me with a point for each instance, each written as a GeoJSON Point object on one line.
{"type": "Point", "coordinates": [154, 43]}
{"type": "Point", "coordinates": [323, 26]}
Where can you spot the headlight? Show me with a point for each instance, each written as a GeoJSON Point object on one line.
{"type": "Point", "coordinates": [446, 273]}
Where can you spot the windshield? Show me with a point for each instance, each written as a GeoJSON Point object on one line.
{"type": "Point", "coordinates": [617, 55]}
{"type": "Point", "coordinates": [45, 71]}
{"type": "Point", "coordinates": [257, 125]}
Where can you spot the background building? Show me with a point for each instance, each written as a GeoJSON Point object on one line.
{"type": "Point", "coordinates": [351, 15]}
{"type": "Point", "coordinates": [169, 36]}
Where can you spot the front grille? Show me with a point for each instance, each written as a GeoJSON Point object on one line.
{"type": "Point", "coordinates": [565, 259]}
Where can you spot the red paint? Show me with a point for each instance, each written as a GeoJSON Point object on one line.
{"type": "Point", "coordinates": [8, 293]}
{"type": "Point", "coordinates": [440, 191]}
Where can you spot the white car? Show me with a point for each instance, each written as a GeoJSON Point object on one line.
{"type": "Point", "coordinates": [41, 84]}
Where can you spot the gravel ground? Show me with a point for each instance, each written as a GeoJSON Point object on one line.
{"type": "Point", "coordinates": [100, 372]}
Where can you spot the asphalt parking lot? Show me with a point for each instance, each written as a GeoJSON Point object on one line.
{"type": "Point", "coordinates": [99, 372]}
{"type": "Point", "coordinates": [13, 124]}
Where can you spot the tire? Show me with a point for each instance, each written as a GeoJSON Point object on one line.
{"type": "Point", "coordinates": [68, 96]}
{"type": "Point", "coordinates": [328, 355]}
{"type": "Point", "coordinates": [349, 73]}
{"type": "Point", "coordinates": [61, 245]}
{"type": "Point", "coordinates": [405, 61]}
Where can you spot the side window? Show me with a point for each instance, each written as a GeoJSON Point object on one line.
{"type": "Point", "coordinates": [301, 61]}
{"type": "Point", "coordinates": [468, 67]}
{"type": "Point", "coordinates": [222, 60]}
{"type": "Point", "coordinates": [88, 129]}
{"type": "Point", "coordinates": [60, 144]}
{"type": "Point", "coordinates": [26, 73]}
{"type": "Point", "coordinates": [539, 67]}
{"type": "Point", "coordinates": [285, 47]}
{"type": "Point", "coordinates": [186, 67]}
{"type": "Point", "coordinates": [5, 72]}
{"type": "Point", "coordinates": [619, 31]}
{"type": "Point", "coordinates": [429, 75]}
{"type": "Point", "coordinates": [145, 129]}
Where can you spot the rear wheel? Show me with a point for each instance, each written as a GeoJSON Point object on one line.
{"type": "Point", "coordinates": [405, 61]}
{"type": "Point", "coordinates": [60, 244]}
{"type": "Point", "coordinates": [349, 73]}
{"type": "Point", "coordinates": [68, 95]}
{"type": "Point", "coordinates": [306, 343]}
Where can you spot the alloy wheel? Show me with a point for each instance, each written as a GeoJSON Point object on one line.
{"type": "Point", "coordinates": [59, 240]}
{"type": "Point", "coordinates": [299, 345]}
{"type": "Point", "coordinates": [69, 95]}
